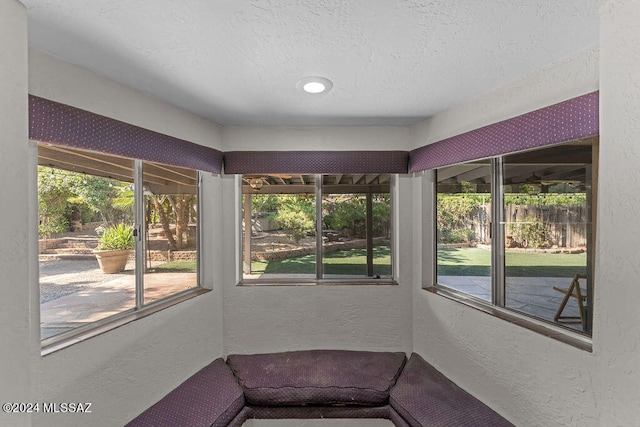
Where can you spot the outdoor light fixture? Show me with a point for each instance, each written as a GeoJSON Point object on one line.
{"type": "Point", "coordinates": [315, 84]}
{"type": "Point", "coordinates": [256, 183]}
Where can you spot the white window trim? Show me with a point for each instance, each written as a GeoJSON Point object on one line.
{"type": "Point", "coordinates": [392, 281]}
{"type": "Point", "coordinates": [82, 333]}
{"type": "Point", "coordinates": [495, 307]}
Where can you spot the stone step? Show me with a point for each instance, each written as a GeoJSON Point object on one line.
{"type": "Point", "coordinates": [68, 251]}
{"type": "Point", "coordinates": [78, 244]}
{"type": "Point", "coordinates": [67, 257]}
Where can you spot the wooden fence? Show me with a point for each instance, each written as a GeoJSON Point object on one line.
{"type": "Point", "coordinates": [565, 225]}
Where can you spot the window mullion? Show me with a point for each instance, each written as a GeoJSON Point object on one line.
{"type": "Point", "coordinates": [497, 240]}
{"type": "Point", "coordinates": [140, 228]}
{"type": "Point", "coordinates": [199, 211]}
{"type": "Point", "coordinates": [319, 254]}
{"type": "Point", "coordinates": [246, 268]}
{"type": "Point", "coordinates": [369, 216]}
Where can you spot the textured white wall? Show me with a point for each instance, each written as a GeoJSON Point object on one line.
{"type": "Point", "coordinates": [280, 138]}
{"type": "Point", "coordinates": [533, 380]}
{"type": "Point", "coordinates": [571, 77]}
{"type": "Point", "coordinates": [617, 279]}
{"type": "Point", "coordinates": [16, 236]}
{"type": "Point", "coordinates": [126, 370]}
{"type": "Point", "coordinates": [275, 318]}
{"type": "Point", "coordinates": [529, 378]}
{"type": "Point", "coordinates": [63, 82]}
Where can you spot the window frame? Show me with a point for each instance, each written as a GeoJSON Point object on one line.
{"type": "Point", "coordinates": [140, 310]}
{"type": "Point", "coordinates": [319, 279]}
{"type": "Point", "coordinates": [497, 306]}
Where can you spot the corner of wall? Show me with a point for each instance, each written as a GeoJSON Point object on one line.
{"type": "Point", "coordinates": [500, 363]}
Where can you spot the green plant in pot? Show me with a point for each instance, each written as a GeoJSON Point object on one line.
{"type": "Point", "coordinates": [114, 246]}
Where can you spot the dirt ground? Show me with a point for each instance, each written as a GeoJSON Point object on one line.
{"type": "Point", "coordinates": [278, 241]}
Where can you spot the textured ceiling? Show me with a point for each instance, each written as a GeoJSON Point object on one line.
{"type": "Point", "coordinates": [236, 62]}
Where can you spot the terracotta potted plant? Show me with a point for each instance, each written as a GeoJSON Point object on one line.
{"type": "Point", "coordinates": [114, 246]}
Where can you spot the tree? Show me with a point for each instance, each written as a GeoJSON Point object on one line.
{"type": "Point", "coordinates": [381, 214]}
{"type": "Point", "coordinates": [53, 195]}
{"type": "Point", "coordinates": [296, 214]}
{"type": "Point", "coordinates": [349, 212]}
{"type": "Point", "coordinates": [177, 208]}
{"type": "Point", "coordinates": [454, 216]}
{"type": "Point", "coordinates": [65, 195]}
{"type": "Point", "coordinates": [102, 196]}
{"type": "Point", "coordinates": [346, 212]}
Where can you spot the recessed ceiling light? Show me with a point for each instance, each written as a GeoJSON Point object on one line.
{"type": "Point", "coordinates": [315, 85]}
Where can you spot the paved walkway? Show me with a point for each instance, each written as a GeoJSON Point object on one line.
{"type": "Point", "coordinates": [529, 295]}
{"type": "Point", "coordinates": [105, 299]}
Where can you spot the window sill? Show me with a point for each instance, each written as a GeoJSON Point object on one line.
{"type": "Point", "coordinates": [575, 339]}
{"type": "Point", "coordinates": [321, 282]}
{"type": "Point", "coordinates": [83, 333]}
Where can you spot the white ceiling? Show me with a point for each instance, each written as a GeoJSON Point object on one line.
{"type": "Point", "coordinates": [236, 62]}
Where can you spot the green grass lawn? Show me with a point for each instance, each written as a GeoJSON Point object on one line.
{"type": "Point", "coordinates": [347, 262]}
{"type": "Point", "coordinates": [476, 262]}
{"type": "Point", "coordinates": [451, 262]}
{"type": "Point", "coordinates": [176, 267]}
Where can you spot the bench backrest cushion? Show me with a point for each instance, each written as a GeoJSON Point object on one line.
{"type": "Point", "coordinates": [318, 412]}
{"type": "Point", "coordinates": [210, 397]}
{"type": "Point", "coordinates": [324, 377]}
{"type": "Point", "coordinates": [425, 397]}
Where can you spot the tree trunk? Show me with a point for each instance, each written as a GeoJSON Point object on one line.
{"type": "Point", "coordinates": [182, 207]}
{"type": "Point", "coordinates": [179, 209]}
{"type": "Point", "coordinates": [164, 221]}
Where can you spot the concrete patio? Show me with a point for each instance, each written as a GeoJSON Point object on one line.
{"type": "Point", "coordinates": [104, 299]}
{"type": "Point", "coordinates": [529, 295]}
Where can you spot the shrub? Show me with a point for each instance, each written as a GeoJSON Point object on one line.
{"type": "Point", "coordinates": [457, 235]}
{"type": "Point", "coordinates": [116, 237]}
{"type": "Point", "coordinates": [530, 233]}
{"type": "Point", "coordinates": [47, 228]}
{"type": "Point", "coordinates": [295, 216]}
{"type": "Point", "coordinates": [455, 213]}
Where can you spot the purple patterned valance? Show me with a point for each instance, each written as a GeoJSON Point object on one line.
{"type": "Point", "coordinates": [321, 162]}
{"type": "Point", "coordinates": [567, 121]}
{"type": "Point", "coordinates": [61, 124]}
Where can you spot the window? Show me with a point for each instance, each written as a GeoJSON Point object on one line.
{"type": "Point", "coordinates": [516, 232]}
{"type": "Point", "coordinates": [316, 227]}
{"type": "Point", "coordinates": [116, 235]}
{"type": "Point", "coordinates": [463, 233]}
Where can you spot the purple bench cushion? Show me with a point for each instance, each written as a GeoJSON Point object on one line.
{"type": "Point", "coordinates": [318, 412]}
{"type": "Point", "coordinates": [325, 377]}
{"type": "Point", "coordinates": [425, 397]}
{"type": "Point", "coordinates": [210, 397]}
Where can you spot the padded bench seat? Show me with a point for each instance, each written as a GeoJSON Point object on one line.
{"type": "Point", "coordinates": [211, 397]}
{"type": "Point", "coordinates": [317, 377]}
{"type": "Point", "coordinates": [425, 397]}
{"type": "Point", "coordinates": [319, 384]}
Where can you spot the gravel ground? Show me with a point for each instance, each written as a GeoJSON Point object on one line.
{"type": "Point", "coordinates": [59, 278]}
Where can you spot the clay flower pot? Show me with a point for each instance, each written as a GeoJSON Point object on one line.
{"type": "Point", "coordinates": [114, 246]}
{"type": "Point", "coordinates": [112, 261]}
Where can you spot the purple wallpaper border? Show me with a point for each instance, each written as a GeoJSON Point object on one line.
{"type": "Point", "coordinates": [312, 162]}
{"type": "Point", "coordinates": [569, 120]}
{"type": "Point", "coordinates": [56, 123]}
